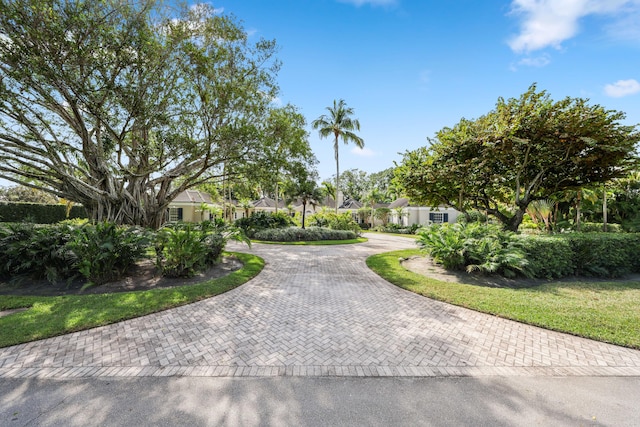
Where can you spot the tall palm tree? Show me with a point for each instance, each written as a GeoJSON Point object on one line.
{"type": "Point", "coordinates": [339, 124]}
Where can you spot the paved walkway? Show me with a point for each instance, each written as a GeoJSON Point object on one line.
{"type": "Point", "coordinates": [317, 311]}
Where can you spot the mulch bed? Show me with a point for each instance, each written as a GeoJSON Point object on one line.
{"type": "Point", "coordinates": [142, 277]}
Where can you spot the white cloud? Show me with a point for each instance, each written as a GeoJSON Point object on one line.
{"type": "Point", "coordinates": [371, 2]}
{"type": "Point", "coordinates": [537, 61]}
{"type": "Point", "coordinates": [547, 23]}
{"type": "Point", "coordinates": [363, 152]}
{"type": "Point", "coordinates": [622, 88]}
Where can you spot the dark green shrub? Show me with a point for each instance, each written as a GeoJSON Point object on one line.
{"type": "Point", "coordinates": [549, 256]}
{"type": "Point", "coordinates": [105, 251]}
{"type": "Point", "coordinates": [295, 234]}
{"type": "Point", "coordinates": [604, 254]}
{"type": "Point", "coordinates": [38, 213]}
{"type": "Point", "coordinates": [39, 252]}
{"type": "Point", "coordinates": [262, 221]}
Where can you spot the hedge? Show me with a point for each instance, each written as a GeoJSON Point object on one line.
{"type": "Point", "coordinates": [583, 254]}
{"type": "Point", "coordinates": [38, 213]}
{"type": "Point", "coordinates": [295, 234]}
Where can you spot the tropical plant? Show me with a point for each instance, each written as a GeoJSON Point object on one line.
{"type": "Point", "coordinates": [475, 246]}
{"type": "Point", "coordinates": [306, 191]}
{"type": "Point", "coordinates": [105, 251]}
{"type": "Point", "coordinates": [37, 252]}
{"type": "Point", "coordinates": [339, 124]}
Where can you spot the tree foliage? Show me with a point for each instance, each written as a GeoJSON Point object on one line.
{"type": "Point", "coordinates": [120, 106]}
{"type": "Point", "coordinates": [527, 148]}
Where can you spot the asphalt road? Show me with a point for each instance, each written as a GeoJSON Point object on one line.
{"type": "Point", "coordinates": [286, 401]}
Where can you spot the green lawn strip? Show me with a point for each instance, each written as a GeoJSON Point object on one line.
{"type": "Point", "coordinates": [604, 311]}
{"type": "Point", "coordinates": [52, 316]}
{"type": "Point", "coordinates": [315, 242]}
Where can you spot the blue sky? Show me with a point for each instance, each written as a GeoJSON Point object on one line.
{"type": "Point", "coordinates": [412, 67]}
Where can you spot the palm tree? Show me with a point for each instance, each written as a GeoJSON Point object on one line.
{"type": "Point", "coordinates": [339, 124]}
{"type": "Point", "coordinates": [306, 191]}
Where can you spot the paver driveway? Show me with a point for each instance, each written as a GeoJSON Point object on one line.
{"type": "Point", "coordinates": [317, 310]}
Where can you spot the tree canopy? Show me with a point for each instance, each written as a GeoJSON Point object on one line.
{"type": "Point", "coordinates": [120, 106]}
{"type": "Point", "coordinates": [526, 149]}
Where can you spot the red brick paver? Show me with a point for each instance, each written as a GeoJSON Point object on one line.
{"type": "Point", "coordinates": [318, 311]}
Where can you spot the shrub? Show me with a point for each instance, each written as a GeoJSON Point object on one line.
{"type": "Point", "coordinates": [36, 252]}
{"type": "Point", "coordinates": [549, 256]}
{"type": "Point", "coordinates": [105, 251]}
{"type": "Point", "coordinates": [38, 213]}
{"type": "Point", "coordinates": [333, 221]}
{"type": "Point", "coordinates": [604, 254]}
{"type": "Point", "coordinates": [596, 227]}
{"type": "Point", "coordinates": [294, 234]}
{"type": "Point", "coordinates": [184, 249]}
{"type": "Point", "coordinates": [263, 220]}
{"type": "Point", "coordinates": [472, 216]}
{"type": "Point", "coordinates": [398, 229]}
{"type": "Point", "coordinates": [477, 247]}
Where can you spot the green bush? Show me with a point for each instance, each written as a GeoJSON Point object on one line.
{"type": "Point", "coordinates": [262, 221]}
{"type": "Point", "coordinates": [27, 250]}
{"type": "Point", "coordinates": [184, 249]}
{"type": "Point", "coordinates": [604, 254]}
{"type": "Point", "coordinates": [478, 247]}
{"type": "Point", "coordinates": [38, 213]}
{"type": "Point", "coordinates": [295, 234]}
{"type": "Point", "coordinates": [549, 256]}
{"type": "Point", "coordinates": [105, 251]}
{"type": "Point", "coordinates": [333, 221]}
{"type": "Point", "coordinates": [398, 229]}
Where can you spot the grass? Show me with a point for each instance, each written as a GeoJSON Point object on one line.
{"type": "Point", "coordinates": [604, 311]}
{"type": "Point", "coordinates": [315, 242]}
{"type": "Point", "coordinates": [52, 316]}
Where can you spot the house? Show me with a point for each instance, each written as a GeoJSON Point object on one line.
{"type": "Point", "coordinates": [191, 206]}
{"type": "Point", "coordinates": [406, 214]}
{"type": "Point", "coordinates": [195, 206]}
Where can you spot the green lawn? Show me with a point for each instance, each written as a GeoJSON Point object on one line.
{"type": "Point", "coordinates": [52, 316]}
{"type": "Point", "coordinates": [315, 242]}
{"type": "Point", "coordinates": [604, 311]}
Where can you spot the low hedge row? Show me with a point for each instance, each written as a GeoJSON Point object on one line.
{"type": "Point", "coordinates": [295, 234]}
{"type": "Point", "coordinates": [38, 213]}
{"type": "Point", "coordinates": [583, 254]}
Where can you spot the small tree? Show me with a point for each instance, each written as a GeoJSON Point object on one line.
{"type": "Point", "coordinates": [305, 190]}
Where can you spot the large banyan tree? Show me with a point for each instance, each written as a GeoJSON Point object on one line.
{"type": "Point", "coordinates": [121, 105]}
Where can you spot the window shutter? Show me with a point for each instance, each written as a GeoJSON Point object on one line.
{"type": "Point", "coordinates": [431, 216]}
{"type": "Point", "coordinates": [179, 214]}
{"type": "Point", "coordinates": [445, 217]}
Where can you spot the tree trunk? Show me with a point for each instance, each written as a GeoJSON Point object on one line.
{"type": "Point", "coordinates": [578, 208]}
{"type": "Point", "coordinates": [604, 208]}
{"type": "Point", "coordinates": [337, 174]}
{"type": "Point", "coordinates": [304, 212]}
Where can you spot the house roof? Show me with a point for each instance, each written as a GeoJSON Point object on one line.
{"type": "Point", "coordinates": [266, 202]}
{"type": "Point", "coordinates": [402, 202]}
{"type": "Point", "coordinates": [193, 196]}
{"type": "Point", "coordinates": [351, 204]}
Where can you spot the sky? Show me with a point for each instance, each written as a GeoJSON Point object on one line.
{"type": "Point", "coordinates": [408, 68]}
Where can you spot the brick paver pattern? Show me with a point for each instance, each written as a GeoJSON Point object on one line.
{"type": "Point", "coordinates": [317, 311]}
